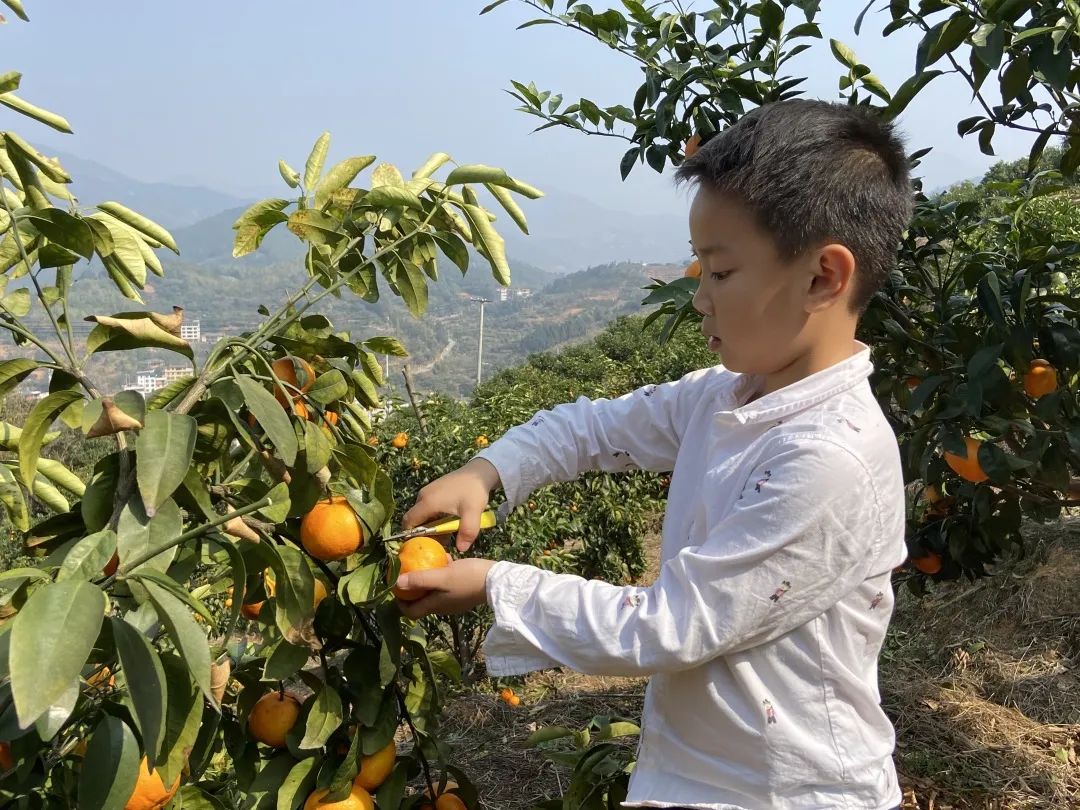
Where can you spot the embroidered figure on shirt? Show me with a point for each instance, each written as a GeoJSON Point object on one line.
{"type": "Point", "coordinates": [536, 422]}
{"type": "Point", "coordinates": [770, 712]}
{"type": "Point", "coordinates": [629, 461]}
{"type": "Point", "coordinates": [785, 586]}
{"type": "Point", "coordinates": [762, 480]}
{"type": "Point", "coordinates": [849, 423]}
{"type": "Point", "coordinates": [632, 601]}
{"type": "Point", "coordinates": [648, 390]}
{"type": "Point", "coordinates": [877, 600]}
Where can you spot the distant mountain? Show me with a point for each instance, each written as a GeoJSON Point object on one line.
{"type": "Point", "coordinates": [172, 205]}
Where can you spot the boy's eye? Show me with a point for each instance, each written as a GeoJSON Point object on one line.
{"type": "Point", "coordinates": [720, 275]}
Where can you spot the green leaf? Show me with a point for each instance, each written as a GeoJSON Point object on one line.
{"type": "Point", "coordinates": [431, 165]}
{"type": "Point", "coordinates": [18, 302]}
{"type": "Point", "coordinates": [340, 176]}
{"type": "Point", "coordinates": [177, 589]}
{"type": "Point", "coordinates": [49, 495]}
{"type": "Point", "coordinates": [323, 718]}
{"type": "Point", "coordinates": [271, 416]}
{"type": "Point", "coordinates": [391, 197]}
{"type": "Point", "coordinates": [139, 534]}
{"type": "Point", "coordinates": [288, 174]}
{"type": "Point", "coordinates": [111, 767]}
{"type": "Point", "coordinates": [17, 7]}
{"type": "Point", "coordinates": [317, 448]}
{"type": "Point", "coordinates": [48, 725]}
{"type": "Point", "coordinates": [413, 288]}
{"type": "Point", "coordinates": [548, 733]}
{"type": "Point", "coordinates": [49, 119]}
{"type": "Point", "coordinates": [10, 81]}
{"type": "Point", "coordinates": [509, 205]}
{"type": "Point", "coordinates": [163, 451]}
{"type": "Point", "coordinates": [147, 690]}
{"type": "Point", "coordinates": [382, 344]}
{"type": "Point", "coordinates": [194, 798]}
{"type": "Point", "coordinates": [907, 91]}
{"type": "Point", "coordinates": [65, 230]}
{"type": "Point", "coordinates": [297, 785]}
{"type": "Point", "coordinates": [13, 372]}
{"type": "Point", "coordinates": [38, 421]}
{"type": "Point", "coordinates": [11, 495]}
{"type": "Point", "coordinates": [141, 224]}
{"type": "Point", "coordinates": [51, 638]}
{"type": "Point", "coordinates": [477, 173]}
{"type": "Point", "coordinates": [61, 475]}
{"type": "Point", "coordinates": [132, 330]}
{"type": "Point", "coordinates": [264, 212]}
{"type": "Point", "coordinates": [843, 53]}
{"type": "Point", "coordinates": [278, 509]}
{"type": "Point", "coordinates": [186, 634]}
{"type": "Point", "coordinates": [88, 556]}
{"type": "Point", "coordinates": [285, 661]}
{"type": "Point", "coordinates": [328, 387]}
{"type": "Point", "coordinates": [490, 244]}
{"type": "Point", "coordinates": [315, 227]}
{"type": "Point", "coordinates": [315, 161]}
{"type": "Point", "coordinates": [183, 717]}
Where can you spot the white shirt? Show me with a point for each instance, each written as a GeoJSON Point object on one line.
{"type": "Point", "coordinates": [761, 634]}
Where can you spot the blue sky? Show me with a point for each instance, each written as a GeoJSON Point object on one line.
{"type": "Point", "coordinates": [215, 93]}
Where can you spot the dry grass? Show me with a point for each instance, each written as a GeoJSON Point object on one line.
{"type": "Point", "coordinates": [981, 680]}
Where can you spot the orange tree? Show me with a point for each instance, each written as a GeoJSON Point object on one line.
{"type": "Point", "coordinates": [594, 526]}
{"type": "Point", "coordinates": [976, 301]}
{"type": "Point", "coordinates": [127, 675]}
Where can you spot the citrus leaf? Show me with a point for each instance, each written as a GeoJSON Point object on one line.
{"type": "Point", "coordinates": [299, 783]}
{"type": "Point", "coordinates": [138, 534]}
{"type": "Point", "coordinates": [431, 165]}
{"type": "Point", "coordinates": [315, 161]}
{"type": "Point", "coordinates": [65, 230]}
{"type": "Point", "coordinates": [136, 330]}
{"type": "Point", "coordinates": [11, 495]}
{"type": "Point", "coordinates": [111, 766]}
{"type": "Point", "coordinates": [183, 715]}
{"type": "Point", "coordinates": [16, 147]}
{"type": "Point", "coordinates": [37, 422]}
{"type": "Point", "coordinates": [49, 119]}
{"type": "Point", "coordinates": [86, 559]}
{"type": "Point", "coordinates": [509, 205]}
{"type": "Point", "coordinates": [315, 227]}
{"type": "Point", "coordinates": [49, 495]}
{"type": "Point", "coordinates": [328, 387]}
{"type": "Point", "coordinates": [489, 243]}
{"type": "Point", "coordinates": [147, 692]}
{"type": "Point", "coordinates": [163, 453]}
{"type": "Point", "coordinates": [194, 798]}
{"type": "Point", "coordinates": [13, 372]}
{"type": "Point", "coordinates": [177, 589]}
{"type": "Point", "coordinates": [17, 7]}
{"type": "Point", "coordinates": [340, 176]}
{"type": "Point", "coordinates": [323, 719]}
{"type": "Point", "coordinates": [477, 173]}
{"type": "Point", "coordinates": [185, 633]}
{"type": "Point", "coordinates": [391, 197]}
{"type": "Point", "coordinates": [17, 302]}
{"type": "Point", "coordinates": [51, 638]}
{"type": "Point", "coordinates": [269, 413]}
{"type": "Point", "coordinates": [141, 224]}
{"type": "Point", "coordinates": [61, 475]}
{"type": "Point", "coordinates": [285, 661]}
{"type": "Point", "coordinates": [54, 718]}
{"type": "Point", "coordinates": [382, 344]}
{"type": "Point", "coordinates": [288, 174]}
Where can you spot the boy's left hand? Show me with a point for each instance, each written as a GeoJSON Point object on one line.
{"type": "Point", "coordinates": [457, 588]}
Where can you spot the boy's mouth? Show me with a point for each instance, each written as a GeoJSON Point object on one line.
{"type": "Point", "coordinates": [714, 343]}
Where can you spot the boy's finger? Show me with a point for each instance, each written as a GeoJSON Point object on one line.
{"type": "Point", "coordinates": [469, 529]}
{"type": "Point", "coordinates": [420, 512]}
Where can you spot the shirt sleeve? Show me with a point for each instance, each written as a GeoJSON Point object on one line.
{"type": "Point", "coordinates": [798, 539]}
{"type": "Point", "coordinates": [640, 430]}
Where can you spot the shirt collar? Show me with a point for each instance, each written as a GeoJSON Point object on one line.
{"type": "Point", "coordinates": [798, 396]}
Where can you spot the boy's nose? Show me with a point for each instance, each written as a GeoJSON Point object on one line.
{"type": "Point", "coordinates": [700, 302]}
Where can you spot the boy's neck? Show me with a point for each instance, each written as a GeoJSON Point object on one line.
{"type": "Point", "coordinates": [820, 357]}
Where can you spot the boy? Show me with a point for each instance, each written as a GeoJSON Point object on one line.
{"type": "Point", "coordinates": [785, 514]}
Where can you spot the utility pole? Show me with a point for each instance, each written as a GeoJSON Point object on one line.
{"type": "Point", "coordinates": [480, 345]}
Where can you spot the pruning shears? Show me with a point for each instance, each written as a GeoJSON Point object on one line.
{"type": "Point", "coordinates": [489, 518]}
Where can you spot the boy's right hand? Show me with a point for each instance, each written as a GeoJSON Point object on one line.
{"type": "Point", "coordinates": [463, 493]}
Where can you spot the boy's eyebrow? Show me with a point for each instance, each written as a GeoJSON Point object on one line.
{"type": "Point", "coordinates": [717, 247]}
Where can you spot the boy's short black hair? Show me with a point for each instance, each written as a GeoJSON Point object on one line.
{"type": "Point", "coordinates": [815, 172]}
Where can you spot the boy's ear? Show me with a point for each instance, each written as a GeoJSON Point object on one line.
{"type": "Point", "coordinates": [833, 277]}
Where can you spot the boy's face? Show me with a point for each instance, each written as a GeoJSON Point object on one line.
{"type": "Point", "coordinates": [759, 308]}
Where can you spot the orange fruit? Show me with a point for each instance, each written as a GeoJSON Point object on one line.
{"type": "Point", "coordinates": [375, 768]}
{"type": "Point", "coordinates": [102, 678]}
{"type": "Point", "coordinates": [320, 592]}
{"type": "Point", "coordinates": [913, 382]}
{"type": "Point", "coordinates": [111, 565]}
{"type": "Point", "coordinates": [271, 718]}
{"type": "Point", "coordinates": [693, 270]}
{"type": "Point", "coordinates": [330, 418]}
{"type": "Point", "coordinates": [358, 799]}
{"type": "Point", "coordinates": [482, 441]}
{"type": "Point", "coordinates": [692, 145]}
{"type": "Point", "coordinates": [7, 761]}
{"type": "Point", "coordinates": [419, 554]}
{"type": "Point", "coordinates": [331, 530]}
{"type": "Point", "coordinates": [150, 792]}
{"type": "Point", "coordinates": [400, 440]}
{"type": "Point", "coordinates": [301, 409]}
{"type": "Point", "coordinates": [445, 801]}
{"type": "Point", "coordinates": [285, 370]}
{"type": "Point", "coordinates": [968, 466]}
{"type": "Point", "coordinates": [507, 695]}
{"type": "Point", "coordinates": [928, 563]}
{"type": "Point", "coordinates": [1040, 379]}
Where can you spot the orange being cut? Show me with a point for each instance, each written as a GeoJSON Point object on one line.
{"type": "Point", "coordinates": [419, 554]}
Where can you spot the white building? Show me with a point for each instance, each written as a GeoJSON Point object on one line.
{"type": "Point", "coordinates": [191, 331]}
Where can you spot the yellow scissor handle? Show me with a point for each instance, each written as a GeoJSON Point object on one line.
{"type": "Point", "coordinates": [487, 520]}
